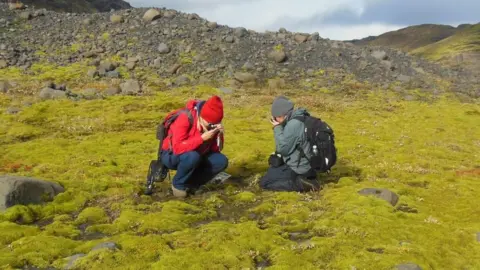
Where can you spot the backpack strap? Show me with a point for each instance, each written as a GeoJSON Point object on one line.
{"type": "Point", "coordinates": [168, 122]}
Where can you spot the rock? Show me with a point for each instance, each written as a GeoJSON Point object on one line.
{"type": "Point", "coordinates": [26, 15]}
{"type": "Point", "coordinates": [87, 21]}
{"type": "Point", "coordinates": [107, 66]}
{"type": "Point", "coordinates": [130, 87]}
{"type": "Point", "coordinates": [404, 78]}
{"type": "Point", "coordinates": [193, 16]}
{"type": "Point", "coordinates": [13, 6]}
{"type": "Point", "coordinates": [130, 65]}
{"type": "Point", "coordinates": [300, 38]}
{"type": "Point", "coordinates": [163, 48]}
{"type": "Point", "coordinates": [40, 12]}
{"type": "Point", "coordinates": [229, 39]}
{"type": "Point", "coordinates": [173, 69]}
{"type": "Point", "coordinates": [240, 32]}
{"type": "Point", "coordinates": [169, 14]}
{"type": "Point", "coordinates": [380, 55]}
{"type": "Point", "coordinates": [315, 36]}
{"type": "Point", "coordinates": [248, 66]}
{"type": "Point", "coordinates": [212, 25]}
{"type": "Point", "coordinates": [151, 15]}
{"type": "Point", "coordinates": [107, 245]}
{"type": "Point", "coordinates": [24, 190]}
{"type": "Point", "coordinates": [90, 93]}
{"type": "Point", "coordinates": [72, 260]}
{"type": "Point", "coordinates": [3, 64]}
{"type": "Point", "coordinates": [182, 80]}
{"type": "Point", "coordinates": [282, 30]}
{"type": "Point", "coordinates": [113, 74]}
{"type": "Point", "coordinates": [408, 266]}
{"type": "Point", "coordinates": [381, 193]}
{"type": "Point", "coordinates": [245, 77]}
{"type": "Point", "coordinates": [116, 19]}
{"type": "Point", "coordinates": [49, 93]}
{"type": "Point", "coordinates": [4, 86]}
{"type": "Point", "coordinates": [92, 73]}
{"type": "Point", "coordinates": [226, 90]}
{"type": "Point", "coordinates": [112, 91]}
{"type": "Point", "coordinates": [478, 237]}
{"type": "Point", "coordinates": [277, 56]}
{"type": "Point", "coordinates": [157, 62]}
{"type": "Point", "coordinates": [210, 70]}
{"type": "Point", "coordinates": [276, 83]}
{"type": "Point", "coordinates": [12, 110]}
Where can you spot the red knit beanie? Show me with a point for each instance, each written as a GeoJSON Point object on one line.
{"type": "Point", "coordinates": [212, 110]}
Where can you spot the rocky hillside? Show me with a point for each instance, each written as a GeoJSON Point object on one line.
{"type": "Point", "coordinates": [410, 38]}
{"type": "Point", "coordinates": [78, 6]}
{"type": "Point", "coordinates": [167, 43]}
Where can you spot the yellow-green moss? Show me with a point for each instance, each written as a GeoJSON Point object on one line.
{"type": "Point", "coordinates": [10, 232]}
{"type": "Point", "coordinates": [92, 215]}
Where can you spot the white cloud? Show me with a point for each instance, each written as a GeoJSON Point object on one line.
{"type": "Point", "coordinates": [295, 15]}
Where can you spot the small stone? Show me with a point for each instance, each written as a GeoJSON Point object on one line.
{"type": "Point", "coordinates": [26, 15]}
{"type": "Point", "coordinates": [380, 55]}
{"type": "Point", "coordinates": [381, 193]}
{"type": "Point", "coordinates": [13, 6]}
{"type": "Point", "coordinates": [248, 66]}
{"type": "Point", "coordinates": [182, 80]}
{"type": "Point", "coordinates": [49, 93]}
{"type": "Point", "coordinates": [4, 86]}
{"type": "Point", "coordinates": [113, 74]}
{"type": "Point", "coordinates": [478, 237]}
{"type": "Point", "coordinates": [193, 16]}
{"type": "Point", "coordinates": [87, 21]}
{"type": "Point", "coordinates": [282, 30]}
{"type": "Point", "coordinates": [245, 77]}
{"type": "Point", "coordinates": [130, 87]}
{"type": "Point", "coordinates": [169, 14]}
{"type": "Point", "coordinates": [174, 68]}
{"type": "Point", "coordinates": [408, 266]}
{"type": "Point", "coordinates": [40, 12]}
{"type": "Point", "coordinates": [277, 56]}
{"type": "Point", "coordinates": [3, 63]}
{"type": "Point", "coordinates": [210, 70]}
{"type": "Point", "coordinates": [212, 25]}
{"type": "Point", "coordinates": [276, 83]}
{"type": "Point", "coordinates": [107, 245]}
{"type": "Point", "coordinates": [404, 78]}
{"type": "Point", "coordinates": [163, 48]}
{"type": "Point", "coordinates": [229, 39]}
{"type": "Point", "coordinates": [13, 110]}
{"type": "Point", "coordinates": [112, 91]}
{"type": "Point", "coordinates": [92, 73]}
{"type": "Point", "coordinates": [72, 260]}
{"type": "Point", "coordinates": [130, 65]}
{"type": "Point", "coordinates": [300, 38]}
{"type": "Point", "coordinates": [116, 19]}
{"type": "Point", "coordinates": [226, 90]}
{"type": "Point", "coordinates": [90, 93]}
{"type": "Point", "coordinates": [240, 32]}
{"type": "Point", "coordinates": [157, 62]}
{"type": "Point", "coordinates": [151, 15]}
{"type": "Point", "coordinates": [107, 66]}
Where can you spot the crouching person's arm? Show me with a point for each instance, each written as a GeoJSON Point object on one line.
{"type": "Point", "coordinates": [286, 138]}
{"type": "Point", "coordinates": [181, 140]}
{"type": "Point", "coordinates": [217, 145]}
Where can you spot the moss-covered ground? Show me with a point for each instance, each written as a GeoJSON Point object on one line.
{"type": "Point", "coordinates": [426, 150]}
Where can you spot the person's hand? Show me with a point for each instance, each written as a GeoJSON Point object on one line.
{"type": "Point", "coordinates": [220, 127]}
{"type": "Point", "coordinates": [274, 122]}
{"type": "Point", "coordinates": [209, 134]}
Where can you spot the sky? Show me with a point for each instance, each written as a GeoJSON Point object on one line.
{"type": "Point", "coordinates": [333, 19]}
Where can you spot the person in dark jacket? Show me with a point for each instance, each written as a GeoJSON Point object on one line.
{"type": "Point", "coordinates": [295, 174]}
{"type": "Point", "coordinates": [193, 148]}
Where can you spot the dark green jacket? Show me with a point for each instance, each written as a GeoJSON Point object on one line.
{"type": "Point", "coordinates": [290, 135]}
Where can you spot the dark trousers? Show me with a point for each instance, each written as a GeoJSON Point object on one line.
{"type": "Point", "coordinates": [193, 169]}
{"type": "Point", "coordinates": [283, 178]}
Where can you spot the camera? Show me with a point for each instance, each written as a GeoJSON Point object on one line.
{"type": "Point", "coordinates": [275, 160]}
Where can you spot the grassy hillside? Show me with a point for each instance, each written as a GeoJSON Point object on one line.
{"type": "Point", "coordinates": [410, 38]}
{"type": "Point", "coordinates": [425, 150]}
{"type": "Point", "coordinates": [465, 41]}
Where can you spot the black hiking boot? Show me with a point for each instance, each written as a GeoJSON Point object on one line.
{"type": "Point", "coordinates": [157, 172]}
{"type": "Point", "coordinates": [308, 184]}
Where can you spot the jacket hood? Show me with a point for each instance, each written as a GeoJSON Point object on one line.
{"type": "Point", "coordinates": [297, 112]}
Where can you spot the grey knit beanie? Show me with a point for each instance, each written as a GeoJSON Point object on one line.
{"type": "Point", "coordinates": [281, 106]}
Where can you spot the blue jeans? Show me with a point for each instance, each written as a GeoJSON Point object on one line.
{"type": "Point", "coordinates": [193, 169]}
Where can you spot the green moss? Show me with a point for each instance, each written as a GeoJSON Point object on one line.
{"type": "Point", "coordinates": [62, 229]}
{"type": "Point", "coordinates": [18, 213]}
{"type": "Point", "coordinates": [92, 215]}
{"type": "Point", "coordinates": [10, 232]}
{"type": "Point", "coordinates": [245, 197]}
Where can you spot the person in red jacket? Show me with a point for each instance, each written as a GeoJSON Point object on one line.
{"type": "Point", "coordinates": [193, 144]}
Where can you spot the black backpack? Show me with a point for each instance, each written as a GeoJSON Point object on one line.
{"type": "Point", "coordinates": [157, 172]}
{"type": "Point", "coordinates": [322, 143]}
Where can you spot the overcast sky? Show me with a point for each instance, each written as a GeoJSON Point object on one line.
{"type": "Point", "coordinates": [334, 19]}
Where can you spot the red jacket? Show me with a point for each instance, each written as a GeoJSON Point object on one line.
{"type": "Point", "coordinates": [184, 140]}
